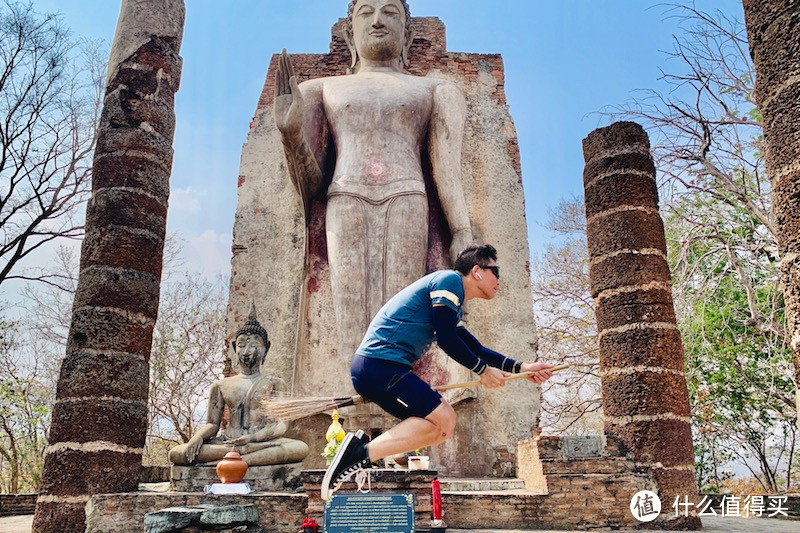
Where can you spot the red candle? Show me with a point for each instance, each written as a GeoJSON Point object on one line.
{"type": "Point", "coordinates": [437, 499]}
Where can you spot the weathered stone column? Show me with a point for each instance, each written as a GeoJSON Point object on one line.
{"type": "Point", "coordinates": [98, 426]}
{"type": "Point", "coordinates": [773, 30]}
{"type": "Point", "coordinates": [645, 398]}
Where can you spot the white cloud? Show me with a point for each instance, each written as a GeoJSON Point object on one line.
{"type": "Point", "coordinates": [184, 200]}
{"type": "Point", "coordinates": [208, 253]}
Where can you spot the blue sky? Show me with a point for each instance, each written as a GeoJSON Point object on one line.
{"type": "Point", "coordinates": [565, 60]}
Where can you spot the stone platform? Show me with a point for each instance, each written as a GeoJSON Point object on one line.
{"type": "Point", "coordinates": [261, 478]}
{"type": "Point", "coordinates": [569, 483]}
{"type": "Point", "coordinates": [116, 513]}
{"type": "Point", "coordinates": [566, 483]}
{"type": "Point", "coordinates": [573, 507]}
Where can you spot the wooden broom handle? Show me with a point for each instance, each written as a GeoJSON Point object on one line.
{"type": "Point", "coordinates": [357, 399]}
{"type": "Point", "coordinates": [512, 377]}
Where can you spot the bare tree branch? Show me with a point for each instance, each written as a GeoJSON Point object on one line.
{"type": "Point", "coordinates": [50, 100]}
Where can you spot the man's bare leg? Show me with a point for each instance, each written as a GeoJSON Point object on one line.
{"type": "Point", "coordinates": [414, 433]}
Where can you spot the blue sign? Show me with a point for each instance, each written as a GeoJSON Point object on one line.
{"type": "Point", "coordinates": [370, 513]}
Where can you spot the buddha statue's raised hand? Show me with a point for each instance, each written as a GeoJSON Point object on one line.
{"type": "Point", "coordinates": [288, 109]}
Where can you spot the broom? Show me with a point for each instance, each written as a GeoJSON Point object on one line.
{"type": "Point", "coordinates": [287, 407]}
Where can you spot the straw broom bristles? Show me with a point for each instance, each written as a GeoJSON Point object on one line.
{"type": "Point", "coordinates": [284, 406]}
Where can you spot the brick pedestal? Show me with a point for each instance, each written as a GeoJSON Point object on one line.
{"type": "Point", "coordinates": [382, 481]}
{"type": "Point", "coordinates": [579, 483]}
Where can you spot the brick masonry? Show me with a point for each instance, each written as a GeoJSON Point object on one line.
{"type": "Point", "coordinates": [17, 504]}
{"type": "Point", "coordinates": [282, 512]}
{"type": "Point", "coordinates": [578, 483]}
{"type": "Point", "coordinates": [115, 513]}
{"type": "Point", "coordinates": [581, 483]}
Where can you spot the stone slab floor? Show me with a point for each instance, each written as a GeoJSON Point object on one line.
{"type": "Point", "coordinates": [715, 525]}
{"type": "Point", "coordinates": [22, 524]}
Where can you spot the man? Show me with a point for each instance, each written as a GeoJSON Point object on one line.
{"type": "Point", "coordinates": [378, 124]}
{"type": "Point", "coordinates": [259, 439]}
{"type": "Point", "coordinates": [398, 336]}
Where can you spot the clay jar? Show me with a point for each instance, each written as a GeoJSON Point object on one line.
{"type": "Point", "coordinates": [231, 469]}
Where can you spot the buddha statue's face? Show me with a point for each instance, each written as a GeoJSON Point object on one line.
{"type": "Point", "coordinates": [250, 350]}
{"type": "Point", "coordinates": [379, 29]}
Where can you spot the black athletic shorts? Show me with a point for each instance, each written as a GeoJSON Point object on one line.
{"type": "Point", "coordinates": [394, 387]}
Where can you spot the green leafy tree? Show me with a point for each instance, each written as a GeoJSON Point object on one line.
{"type": "Point", "coordinates": [26, 400]}
{"type": "Point", "coordinates": [738, 368]}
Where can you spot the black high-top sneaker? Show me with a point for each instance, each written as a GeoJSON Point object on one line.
{"type": "Point", "coordinates": [351, 457]}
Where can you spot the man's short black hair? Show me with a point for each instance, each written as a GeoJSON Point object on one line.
{"type": "Point", "coordinates": [474, 255]}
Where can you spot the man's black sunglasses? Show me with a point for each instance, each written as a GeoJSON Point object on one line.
{"type": "Point", "coordinates": [494, 268]}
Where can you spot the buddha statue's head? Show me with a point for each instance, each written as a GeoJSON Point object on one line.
{"type": "Point", "coordinates": [378, 30]}
{"type": "Point", "coordinates": [251, 343]}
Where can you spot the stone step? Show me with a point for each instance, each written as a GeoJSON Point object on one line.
{"type": "Point", "coordinates": [588, 465]}
{"type": "Point", "coordinates": [480, 484]}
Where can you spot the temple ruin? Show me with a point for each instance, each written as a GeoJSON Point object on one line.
{"type": "Point", "coordinates": [99, 419]}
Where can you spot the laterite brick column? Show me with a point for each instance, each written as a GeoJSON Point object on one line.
{"type": "Point", "coordinates": [773, 30]}
{"type": "Point", "coordinates": [645, 398]}
{"type": "Point", "coordinates": [99, 420]}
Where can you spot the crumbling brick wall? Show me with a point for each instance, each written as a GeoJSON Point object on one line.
{"type": "Point", "coordinates": [17, 504]}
